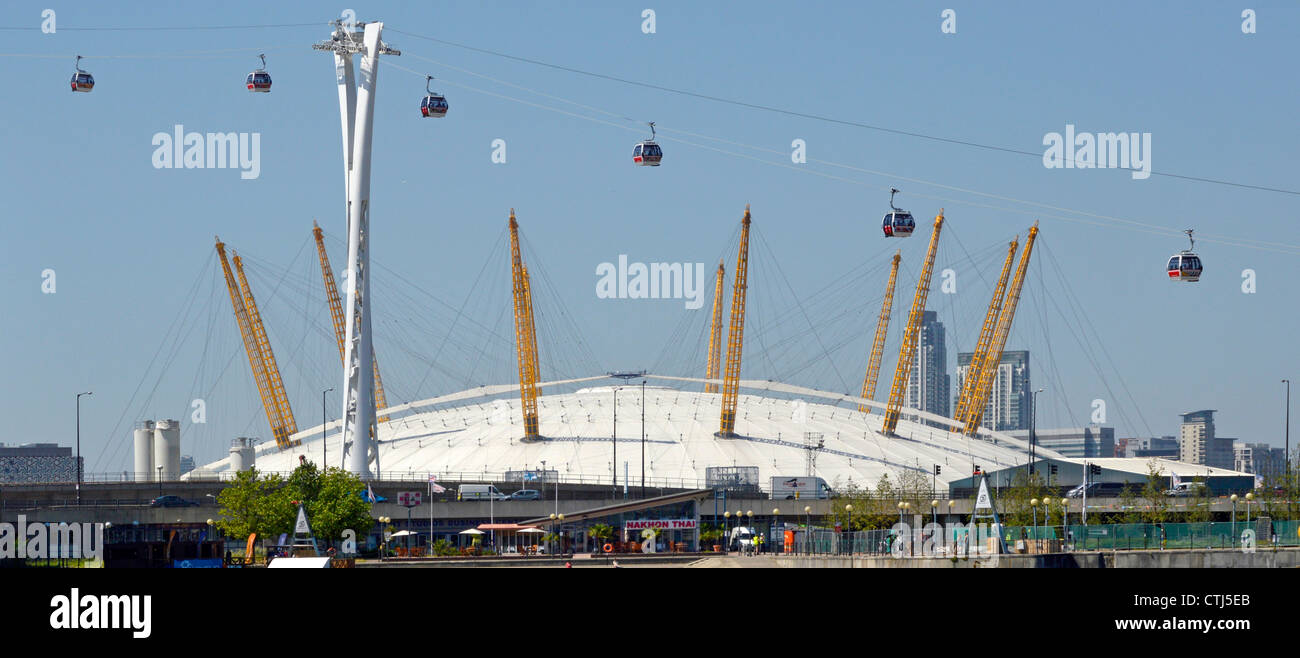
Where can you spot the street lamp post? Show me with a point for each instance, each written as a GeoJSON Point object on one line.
{"type": "Point", "coordinates": [79, 444]}
{"type": "Point", "coordinates": [1249, 497]}
{"type": "Point", "coordinates": [1033, 430]}
{"type": "Point", "coordinates": [643, 439]}
{"type": "Point", "coordinates": [614, 442]}
{"type": "Point", "coordinates": [1065, 515]}
{"type": "Point", "coordinates": [1233, 498]}
{"type": "Point", "coordinates": [160, 479]}
{"type": "Point", "coordinates": [848, 528]}
{"type": "Point", "coordinates": [807, 535]}
{"type": "Point", "coordinates": [1287, 454]}
{"type": "Point", "coordinates": [324, 418]}
{"type": "Point", "coordinates": [1033, 505]}
{"type": "Point", "coordinates": [776, 512]}
{"type": "Point", "coordinates": [753, 533]}
{"type": "Point", "coordinates": [726, 531]}
{"type": "Point", "coordinates": [553, 515]}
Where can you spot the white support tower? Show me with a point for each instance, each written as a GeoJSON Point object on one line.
{"type": "Point", "coordinates": [356, 109]}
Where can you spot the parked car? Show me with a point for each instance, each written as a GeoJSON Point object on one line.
{"type": "Point", "coordinates": [172, 501]}
{"type": "Point", "coordinates": [526, 494]}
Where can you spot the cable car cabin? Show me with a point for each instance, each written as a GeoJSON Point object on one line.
{"type": "Point", "coordinates": [898, 224]}
{"type": "Point", "coordinates": [1184, 267]}
{"type": "Point", "coordinates": [83, 82]}
{"type": "Point", "coordinates": [647, 154]}
{"type": "Point", "coordinates": [259, 81]}
{"type": "Point", "coordinates": [434, 106]}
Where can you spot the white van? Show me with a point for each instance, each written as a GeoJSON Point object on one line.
{"type": "Point", "coordinates": [480, 492]}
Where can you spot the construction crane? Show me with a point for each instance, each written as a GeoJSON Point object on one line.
{"type": "Point", "coordinates": [715, 334]}
{"type": "Point", "coordinates": [735, 339]}
{"type": "Point", "coordinates": [525, 336]}
{"type": "Point", "coordinates": [908, 351]}
{"type": "Point", "coordinates": [975, 412]}
{"type": "Point", "coordinates": [878, 345]}
{"type": "Point", "coordinates": [336, 313]}
{"type": "Point", "coordinates": [258, 348]}
{"type": "Point", "coordinates": [979, 359]}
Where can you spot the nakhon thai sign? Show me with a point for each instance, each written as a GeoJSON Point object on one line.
{"type": "Point", "coordinates": [661, 524]}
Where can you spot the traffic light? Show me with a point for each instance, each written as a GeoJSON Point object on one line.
{"type": "Point", "coordinates": [1094, 469]}
{"type": "Point", "coordinates": [938, 470]}
{"type": "Point", "coordinates": [1053, 467]}
{"type": "Point", "coordinates": [977, 469]}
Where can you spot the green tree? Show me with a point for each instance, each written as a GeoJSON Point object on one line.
{"type": "Point", "coordinates": [268, 504]}
{"type": "Point", "coordinates": [336, 505]}
{"type": "Point", "coordinates": [1154, 494]}
{"type": "Point", "coordinates": [250, 505]}
{"type": "Point", "coordinates": [1198, 506]}
{"type": "Point", "coordinates": [1130, 506]}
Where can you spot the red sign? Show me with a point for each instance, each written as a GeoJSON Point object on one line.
{"type": "Point", "coordinates": [409, 498]}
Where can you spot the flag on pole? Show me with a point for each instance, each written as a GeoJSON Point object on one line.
{"type": "Point", "coordinates": [370, 493]}
{"type": "Point", "coordinates": [1174, 481]}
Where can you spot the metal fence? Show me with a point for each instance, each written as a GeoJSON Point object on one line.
{"type": "Point", "coordinates": [1045, 539]}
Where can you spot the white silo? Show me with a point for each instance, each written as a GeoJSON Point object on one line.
{"type": "Point", "coordinates": [242, 455]}
{"type": "Point", "coordinates": [167, 449]}
{"type": "Point", "coordinates": [143, 452]}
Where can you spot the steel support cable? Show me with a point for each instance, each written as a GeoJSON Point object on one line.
{"type": "Point", "coordinates": [1272, 246]}
{"type": "Point", "coordinates": [815, 117]}
{"type": "Point", "coordinates": [143, 376]}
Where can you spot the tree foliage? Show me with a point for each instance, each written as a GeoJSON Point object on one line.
{"type": "Point", "coordinates": [268, 504]}
{"type": "Point", "coordinates": [1154, 494]}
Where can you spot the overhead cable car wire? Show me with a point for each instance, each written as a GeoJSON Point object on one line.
{"type": "Point", "coordinates": [816, 117]}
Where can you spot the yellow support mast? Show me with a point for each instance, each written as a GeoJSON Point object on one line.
{"type": "Point", "coordinates": [878, 345]}
{"type": "Point", "coordinates": [525, 336]}
{"type": "Point", "coordinates": [532, 331]}
{"type": "Point", "coordinates": [975, 412]}
{"type": "Point", "coordinates": [735, 339]}
{"type": "Point", "coordinates": [908, 351]}
{"type": "Point", "coordinates": [715, 333]}
{"type": "Point", "coordinates": [336, 314]}
{"type": "Point", "coordinates": [274, 384]}
{"type": "Point", "coordinates": [979, 359]}
{"type": "Point", "coordinates": [250, 342]}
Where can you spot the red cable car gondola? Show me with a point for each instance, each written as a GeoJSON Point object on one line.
{"type": "Point", "coordinates": [897, 223]}
{"type": "Point", "coordinates": [1185, 265]}
{"type": "Point", "coordinates": [647, 153]}
{"type": "Point", "coordinates": [432, 105]}
{"type": "Point", "coordinates": [259, 80]}
{"type": "Point", "coordinates": [82, 81]}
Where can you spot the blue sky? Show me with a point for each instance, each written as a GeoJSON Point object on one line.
{"type": "Point", "coordinates": [131, 245]}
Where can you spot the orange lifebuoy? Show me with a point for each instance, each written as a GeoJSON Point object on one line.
{"type": "Point", "coordinates": [609, 548]}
